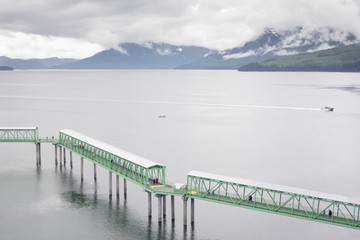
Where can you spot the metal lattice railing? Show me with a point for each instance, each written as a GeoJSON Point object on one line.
{"type": "Point", "coordinates": [123, 167]}
{"type": "Point", "coordinates": [270, 200]}
{"type": "Point", "coordinates": [9, 134]}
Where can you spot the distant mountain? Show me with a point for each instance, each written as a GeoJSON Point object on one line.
{"type": "Point", "coordinates": [6, 68]}
{"type": "Point", "coordinates": [341, 59]}
{"type": "Point", "coordinates": [269, 45]}
{"type": "Point", "coordinates": [273, 44]}
{"type": "Point", "coordinates": [34, 63]}
{"type": "Point", "coordinates": [136, 56]}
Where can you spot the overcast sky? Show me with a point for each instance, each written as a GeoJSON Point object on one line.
{"type": "Point", "coordinates": [78, 29]}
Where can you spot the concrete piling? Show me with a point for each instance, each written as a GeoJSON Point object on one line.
{"type": "Point", "coordinates": [192, 210]}
{"type": "Point", "coordinates": [71, 161]}
{"type": "Point", "coordinates": [56, 157]}
{"type": "Point", "coordinates": [39, 157]}
{"type": "Point", "coordinates": [64, 157]}
{"type": "Point", "coordinates": [149, 205]}
{"type": "Point", "coordinates": [164, 206]}
{"type": "Point", "coordinates": [125, 189]}
{"type": "Point", "coordinates": [173, 208]}
{"type": "Point", "coordinates": [110, 184]}
{"type": "Point", "coordinates": [95, 178]}
{"type": "Point", "coordinates": [81, 168]}
{"type": "Point", "coordinates": [37, 154]}
{"type": "Point", "coordinates": [159, 208]}
{"type": "Point", "coordinates": [185, 210]}
{"type": "Point", "coordinates": [117, 187]}
{"type": "Point", "coordinates": [60, 148]}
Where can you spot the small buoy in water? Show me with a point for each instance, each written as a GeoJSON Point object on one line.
{"type": "Point", "coordinates": [162, 116]}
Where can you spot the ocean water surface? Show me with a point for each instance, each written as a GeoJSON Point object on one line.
{"type": "Point", "coordinates": [266, 127]}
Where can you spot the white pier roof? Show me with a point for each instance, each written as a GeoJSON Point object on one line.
{"type": "Point", "coordinates": [280, 188]}
{"type": "Point", "coordinates": [113, 150]}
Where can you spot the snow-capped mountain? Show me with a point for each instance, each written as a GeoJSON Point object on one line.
{"type": "Point", "coordinates": [272, 44]}
{"type": "Point", "coordinates": [141, 56]}
{"type": "Point", "coordinates": [269, 45]}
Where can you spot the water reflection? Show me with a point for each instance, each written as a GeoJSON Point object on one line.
{"type": "Point", "coordinates": [119, 219]}
{"type": "Point", "coordinates": [348, 88]}
{"type": "Point", "coordinates": [77, 200]}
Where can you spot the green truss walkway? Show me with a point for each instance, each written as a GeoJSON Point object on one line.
{"type": "Point", "coordinates": [139, 170]}
{"type": "Point", "coordinates": [19, 134]}
{"type": "Point", "coordinates": [287, 201]}
{"type": "Point", "coordinates": [23, 134]}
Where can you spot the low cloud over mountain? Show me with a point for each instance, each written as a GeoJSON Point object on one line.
{"type": "Point", "coordinates": [272, 44]}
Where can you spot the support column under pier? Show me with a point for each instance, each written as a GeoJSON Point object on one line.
{"type": "Point", "coordinates": [125, 189]}
{"type": "Point", "coordinates": [37, 154]}
{"type": "Point", "coordinates": [71, 162]}
{"type": "Point", "coordinates": [56, 157]}
{"type": "Point", "coordinates": [95, 172]}
{"type": "Point", "coordinates": [39, 158]}
{"type": "Point", "coordinates": [159, 208]}
{"type": "Point", "coordinates": [173, 208]}
{"type": "Point", "coordinates": [192, 210]}
{"type": "Point", "coordinates": [185, 211]}
{"type": "Point", "coordinates": [60, 148]}
{"type": "Point", "coordinates": [110, 184]}
{"type": "Point", "coordinates": [64, 157]}
{"type": "Point", "coordinates": [164, 206]}
{"type": "Point", "coordinates": [81, 168]}
{"type": "Point", "coordinates": [117, 187]}
{"type": "Point", "coordinates": [149, 205]}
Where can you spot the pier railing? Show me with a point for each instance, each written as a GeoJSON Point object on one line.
{"type": "Point", "coordinates": [139, 173]}
{"type": "Point", "coordinates": [19, 134]}
{"type": "Point", "coordinates": [314, 206]}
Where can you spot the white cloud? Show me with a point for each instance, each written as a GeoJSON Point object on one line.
{"type": "Point", "coordinates": [209, 23]}
{"type": "Point", "coordinates": [323, 46]}
{"type": "Point", "coordinates": [284, 52]}
{"type": "Point", "coordinates": [239, 55]}
{"type": "Point", "coordinates": [163, 52]}
{"type": "Point", "coordinates": [23, 45]}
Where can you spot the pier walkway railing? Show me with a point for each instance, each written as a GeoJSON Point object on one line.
{"type": "Point", "coordinates": [19, 134]}
{"type": "Point", "coordinates": [130, 166]}
{"type": "Point", "coordinates": [287, 201]}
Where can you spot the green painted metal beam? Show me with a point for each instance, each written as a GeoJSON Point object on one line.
{"type": "Point", "coordinates": [48, 140]}
{"type": "Point", "coordinates": [289, 204]}
{"type": "Point", "coordinates": [19, 134]}
{"type": "Point", "coordinates": [134, 172]}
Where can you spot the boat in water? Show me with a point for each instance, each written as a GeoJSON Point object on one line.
{"type": "Point", "coordinates": [328, 109]}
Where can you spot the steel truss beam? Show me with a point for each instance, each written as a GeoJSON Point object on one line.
{"type": "Point", "coordinates": [273, 201]}
{"type": "Point", "coordinates": [19, 135]}
{"type": "Point", "coordinates": [123, 167]}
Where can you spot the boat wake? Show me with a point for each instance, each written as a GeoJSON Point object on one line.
{"type": "Point", "coordinates": [161, 102]}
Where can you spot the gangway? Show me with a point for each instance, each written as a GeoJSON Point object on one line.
{"type": "Point", "coordinates": [277, 199]}
{"type": "Point", "coordinates": [19, 134]}
{"type": "Point", "coordinates": [130, 166]}
{"type": "Point", "coordinates": [24, 135]}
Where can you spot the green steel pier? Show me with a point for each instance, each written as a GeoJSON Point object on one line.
{"type": "Point", "coordinates": [151, 176]}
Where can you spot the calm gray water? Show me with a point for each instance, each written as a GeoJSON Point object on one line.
{"type": "Point", "coordinates": [260, 126]}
